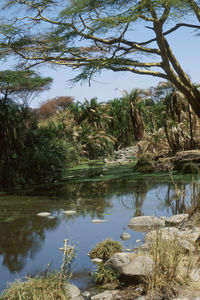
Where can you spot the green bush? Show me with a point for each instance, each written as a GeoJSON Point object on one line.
{"type": "Point", "coordinates": [144, 164]}
{"type": "Point", "coordinates": [106, 249]}
{"type": "Point", "coordinates": [190, 168]}
{"type": "Point", "coordinates": [105, 275]}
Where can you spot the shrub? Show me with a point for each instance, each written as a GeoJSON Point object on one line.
{"type": "Point", "coordinates": [190, 168]}
{"type": "Point", "coordinates": [144, 163]}
{"type": "Point", "coordinates": [105, 275]}
{"type": "Point", "coordinates": [106, 249]}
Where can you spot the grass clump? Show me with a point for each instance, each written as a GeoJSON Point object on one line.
{"type": "Point", "coordinates": [49, 287]}
{"type": "Point", "coordinates": [106, 275]}
{"type": "Point", "coordinates": [144, 164]}
{"type": "Point", "coordinates": [190, 168]}
{"type": "Point", "coordinates": [166, 276]}
{"type": "Point", "coordinates": [106, 249]}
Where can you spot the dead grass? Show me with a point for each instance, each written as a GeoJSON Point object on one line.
{"type": "Point", "coordinates": [50, 287]}
{"type": "Point", "coordinates": [166, 277]}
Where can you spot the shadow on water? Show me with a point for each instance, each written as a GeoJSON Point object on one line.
{"type": "Point", "coordinates": [24, 235]}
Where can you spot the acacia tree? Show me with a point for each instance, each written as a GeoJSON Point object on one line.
{"type": "Point", "coordinates": [22, 85]}
{"type": "Point", "coordinates": [102, 34]}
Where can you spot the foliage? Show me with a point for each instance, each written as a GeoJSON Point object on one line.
{"type": "Point", "coordinates": [28, 154]}
{"type": "Point", "coordinates": [85, 36]}
{"type": "Point", "coordinates": [166, 275]}
{"type": "Point", "coordinates": [49, 285]}
{"type": "Point", "coordinates": [50, 107]}
{"type": "Point", "coordinates": [144, 164]}
{"type": "Point", "coordinates": [22, 85]}
{"type": "Point", "coordinates": [105, 249]}
{"type": "Point", "coordinates": [190, 168]}
{"type": "Point", "coordinates": [105, 275]}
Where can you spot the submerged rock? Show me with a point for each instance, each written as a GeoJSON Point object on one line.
{"type": "Point", "coordinates": [69, 212]}
{"type": "Point", "coordinates": [125, 236]}
{"type": "Point", "coordinates": [44, 214]}
{"type": "Point", "coordinates": [98, 221]}
{"type": "Point", "coordinates": [145, 223]}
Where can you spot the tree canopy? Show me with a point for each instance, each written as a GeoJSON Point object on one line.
{"type": "Point", "coordinates": [90, 36]}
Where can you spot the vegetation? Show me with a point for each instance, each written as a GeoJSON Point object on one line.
{"type": "Point", "coordinates": [85, 36]}
{"type": "Point", "coordinates": [105, 249]}
{"type": "Point", "coordinates": [106, 275]}
{"type": "Point", "coordinates": [49, 285]}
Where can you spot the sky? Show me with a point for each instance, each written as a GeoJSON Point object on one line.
{"type": "Point", "coordinates": [184, 42]}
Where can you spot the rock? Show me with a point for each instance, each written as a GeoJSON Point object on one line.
{"type": "Point", "coordinates": [170, 234]}
{"type": "Point", "coordinates": [119, 259]}
{"type": "Point", "coordinates": [106, 295]}
{"type": "Point", "coordinates": [176, 219]}
{"type": "Point", "coordinates": [195, 275]}
{"type": "Point", "coordinates": [86, 294]}
{"type": "Point", "coordinates": [125, 236]}
{"type": "Point", "coordinates": [98, 221]}
{"type": "Point", "coordinates": [44, 214]}
{"type": "Point", "coordinates": [97, 260]}
{"type": "Point", "coordinates": [73, 290]}
{"type": "Point", "coordinates": [69, 212]}
{"type": "Point", "coordinates": [139, 267]}
{"type": "Point", "coordinates": [145, 223]}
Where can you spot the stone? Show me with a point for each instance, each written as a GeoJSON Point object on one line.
{"type": "Point", "coordinates": [44, 214]}
{"type": "Point", "coordinates": [169, 234]}
{"type": "Point", "coordinates": [97, 260]}
{"type": "Point", "coordinates": [140, 266]}
{"type": "Point", "coordinates": [106, 295]}
{"type": "Point", "coordinates": [119, 259]}
{"type": "Point", "coordinates": [73, 290]}
{"type": "Point", "coordinates": [86, 294]}
{"type": "Point", "coordinates": [125, 236]}
{"type": "Point", "coordinates": [98, 221]}
{"type": "Point", "coordinates": [69, 212]}
{"type": "Point", "coordinates": [176, 219]}
{"type": "Point", "coordinates": [145, 223]}
{"type": "Point", "coordinates": [195, 275]}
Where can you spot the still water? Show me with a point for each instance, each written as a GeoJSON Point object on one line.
{"type": "Point", "coordinates": [28, 243]}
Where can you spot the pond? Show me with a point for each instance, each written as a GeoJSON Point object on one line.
{"type": "Point", "coordinates": [28, 243]}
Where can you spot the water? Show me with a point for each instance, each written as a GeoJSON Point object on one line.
{"type": "Point", "coordinates": [28, 243]}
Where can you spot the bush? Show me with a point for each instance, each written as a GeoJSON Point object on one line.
{"type": "Point", "coordinates": [105, 275]}
{"type": "Point", "coordinates": [190, 168]}
{"type": "Point", "coordinates": [106, 249]}
{"type": "Point", "coordinates": [144, 164]}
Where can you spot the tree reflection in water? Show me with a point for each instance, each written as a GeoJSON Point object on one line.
{"type": "Point", "coordinates": [22, 232]}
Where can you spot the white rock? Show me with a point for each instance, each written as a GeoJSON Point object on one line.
{"type": "Point", "coordinates": [107, 295]}
{"type": "Point", "coordinates": [96, 260]}
{"type": "Point", "coordinates": [145, 223]}
{"type": "Point", "coordinates": [119, 259]}
{"type": "Point", "coordinates": [44, 214]}
{"type": "Point", "coordinates": [98, 221]}
{"type": "Point", "coordinates": [69, 212]}
{"type": "Point", "coordinates": [73, 290]}
{"type": "Point", "coordinates": [176, 219]}
{"type": "Point", "coordinates": [140, 266]}
{"type": "Point", "coordinates": [86, 294]}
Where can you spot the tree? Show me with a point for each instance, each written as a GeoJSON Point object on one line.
{"type": "Point", "coordinates": [22, 85]}
{"type": "Point", "coordinates": [94, 35]}
{"type": "Point", "coordinates": [50, 107]}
